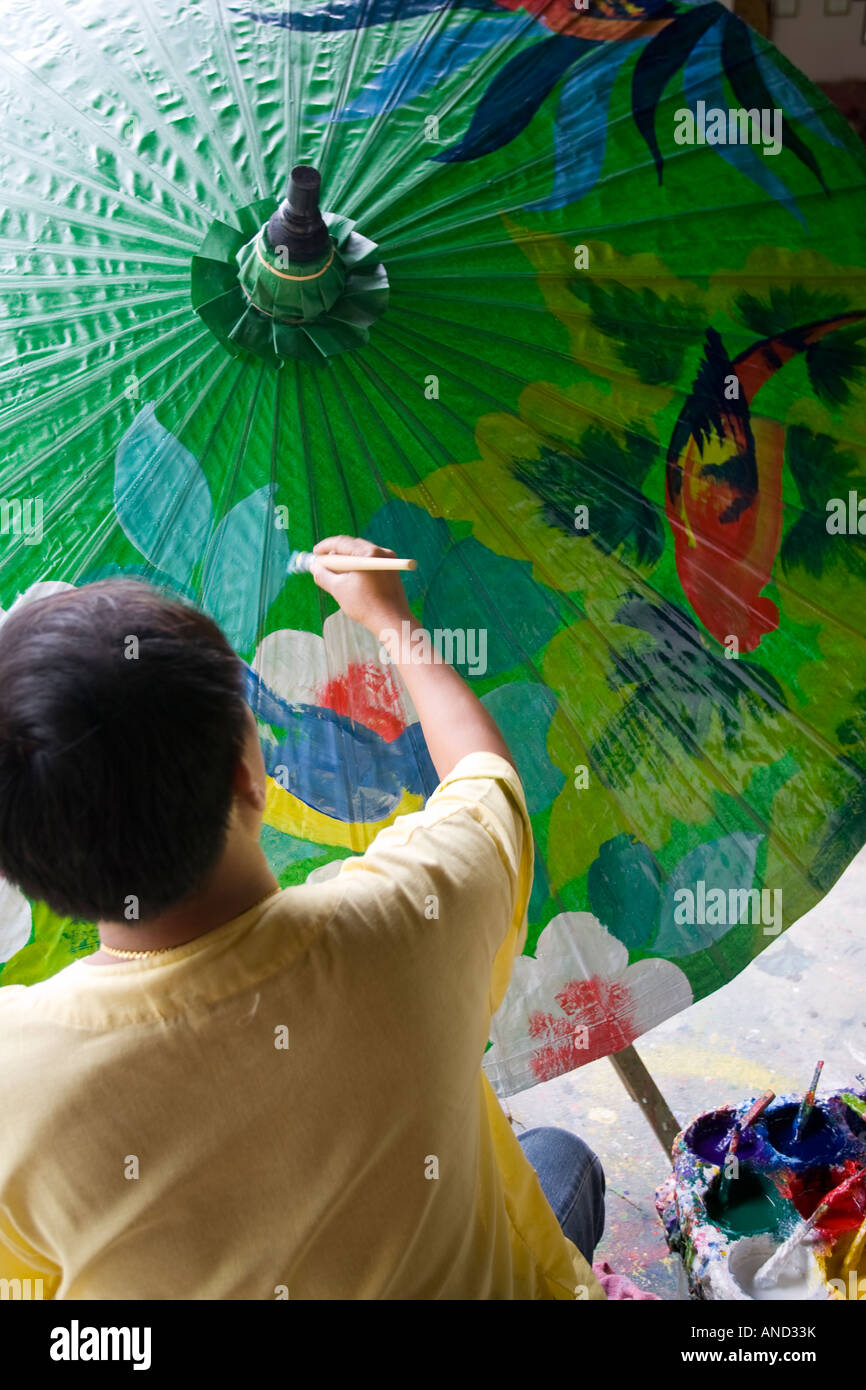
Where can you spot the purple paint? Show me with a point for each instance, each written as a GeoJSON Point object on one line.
{"type": "Point", "coordinates": [710, 1136]}
{"type": "Point", "coordinates": [820, 1141]}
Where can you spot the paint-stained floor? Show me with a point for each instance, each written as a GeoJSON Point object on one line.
{"type": "Point", "coordinates": [804, 998]}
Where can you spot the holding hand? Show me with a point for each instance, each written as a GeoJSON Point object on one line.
{"type": "Point", "coordinates": [374, 598]}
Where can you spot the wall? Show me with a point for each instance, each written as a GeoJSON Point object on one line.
{"type": "Point", "coordinates": [828, 48]}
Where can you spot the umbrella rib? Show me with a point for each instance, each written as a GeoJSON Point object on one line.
{"type": "Point", "coordinates": [203, 118]}
{"type": "Point", "coordinates": [408, 709]}
{"type": "Point", "coordinates": [31, 158]}
{"type": "Point", "coordinates": [81, 481]}
{"type": "Point", "coordinates": [585, 232]}
{"type": "Point", "coordinates": [291, 105]}
{"type": "Point", "coordinates": [72, 388]}
{"type": "Point", "coordinates": [240, 92]}
{"type": "Point", "coordinates": [57, 99]}
{"type": "Point", "coordinates": [348, 756]}
{"type": "Point", "coordinates": [359, 36]}
{"type": "Point", "coordinates": [75, 218]}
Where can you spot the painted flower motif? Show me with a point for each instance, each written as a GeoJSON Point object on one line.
{"type": "Point", "coordinates": [579, 999]}
{"type": "Point", "coordinates": [235, 567]}
{"type": "Point", "coordinates": [16, 920]}
{"type": "Point", "coordinates": [342, 671]}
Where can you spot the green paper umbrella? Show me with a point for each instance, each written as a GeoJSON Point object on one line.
{"type": "Point", "coordinates": [580, 326]}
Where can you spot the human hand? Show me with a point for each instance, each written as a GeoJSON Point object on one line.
{"type": "Point", "coordinates": [374, 598]}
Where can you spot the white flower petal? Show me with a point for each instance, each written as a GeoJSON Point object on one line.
{"type": "Point", "coordinates": [16, 920]}
{"type": "Point", "coordinates": [41, 589]}
{"type": "Point", "coordinates": [575, 947]}
{"type": "Point", "coordinates": [293, 665]}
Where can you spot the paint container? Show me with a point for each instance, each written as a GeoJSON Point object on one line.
{"type": "Point", "coordinates": [722, 1232]}
{"type": "Point", "coordinates": [710, 1136]}
{"type": "Point", "coordinates": [820, 1143]}
{"type": "Point", "coordinates": [749, 1205]}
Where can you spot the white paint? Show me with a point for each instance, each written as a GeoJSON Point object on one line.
{"type": "Point", "coordinates": [799, 1279]}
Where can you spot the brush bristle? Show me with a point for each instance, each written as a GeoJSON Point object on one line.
{"type": "Point", "coordinates": [300, 562]}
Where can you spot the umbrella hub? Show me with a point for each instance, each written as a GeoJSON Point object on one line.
{"type": "Point", "coordinates": [297, 282]}
{"type": "Point", "coordinates": [291, 269]}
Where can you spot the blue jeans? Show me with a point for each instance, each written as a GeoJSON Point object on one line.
{"type": "Point", "coordinates": [572, 1180]}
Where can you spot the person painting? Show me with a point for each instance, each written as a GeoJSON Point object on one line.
{"type": "Point", "coordinates": [249, 1092]}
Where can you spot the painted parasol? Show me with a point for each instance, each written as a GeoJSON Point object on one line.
{"type": "Point", "coordinates": [580, 327]}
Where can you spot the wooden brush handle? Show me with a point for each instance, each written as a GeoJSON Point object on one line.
{"type": "Point", "coordinates": [348, 564]}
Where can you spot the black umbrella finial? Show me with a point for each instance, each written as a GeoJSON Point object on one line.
{"type": "Point", "coordinates": [297, 223]}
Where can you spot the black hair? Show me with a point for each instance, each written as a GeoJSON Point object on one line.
{"type": "Point", "coordinates": [122, 719]}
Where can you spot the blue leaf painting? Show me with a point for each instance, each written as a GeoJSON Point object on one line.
{"type": "Point", "coordinates": [426, 63]}
{"type": "Point", "coordinates": [702, 81]}
{"type": "Point", "coordinates": [788, 94]}
{"type": "Point", "coordinates": [245, 567]}
{"type": "Point", "coordinates": [514, 96]}
{"type": "Point", "coordinates": [581, 125]}
{"type": "Point", "coordinates": [726, 864]}
{"type": "Point", "coordinates": [161, 497]}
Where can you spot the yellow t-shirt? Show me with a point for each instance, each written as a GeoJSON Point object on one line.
{"type": "Point", "coordinates": [293, 1105]}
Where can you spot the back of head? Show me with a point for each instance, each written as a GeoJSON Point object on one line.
{"type": "Point", "coordinates": [122, 718]}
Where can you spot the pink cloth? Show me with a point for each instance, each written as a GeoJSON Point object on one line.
{"type": "Point", "coordinates": [617, 1285]}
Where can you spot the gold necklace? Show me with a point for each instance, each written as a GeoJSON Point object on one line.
{"type": "Point", "coordinates": [161, 950]}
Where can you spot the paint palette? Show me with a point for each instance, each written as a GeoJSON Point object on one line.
{"type": "Point", "coordinates": [725, 1219]}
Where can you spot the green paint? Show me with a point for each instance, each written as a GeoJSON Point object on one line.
{"type": "Point", "coordinates": [749, 1205]}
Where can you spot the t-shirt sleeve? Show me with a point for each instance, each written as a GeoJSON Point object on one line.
{"type": "Point", "coordinates": [467, 857]}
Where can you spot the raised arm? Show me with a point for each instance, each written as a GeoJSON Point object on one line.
{"type": "Point", "coordinates": [453, 720]}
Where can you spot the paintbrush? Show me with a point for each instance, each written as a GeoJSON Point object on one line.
{"type": "Point", "coordinates": [768, 1274]}
{"type": "Point", "coordinates": [807, 1104]}
{"type": "Point", "coordinates": [757, 1108]}
{"type": "Point", "coordinates": [301, 562]}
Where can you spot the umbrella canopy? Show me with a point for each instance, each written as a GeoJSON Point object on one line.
{"type": "Point", "coordinates": [580, 327]}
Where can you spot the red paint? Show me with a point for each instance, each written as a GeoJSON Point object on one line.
{"type": "Point", "coordinates": [368, 695]}
{"type": "Point", "coordinates": [604, 1007]}
{"type": "Point", "coordinates": [846, 1210]}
